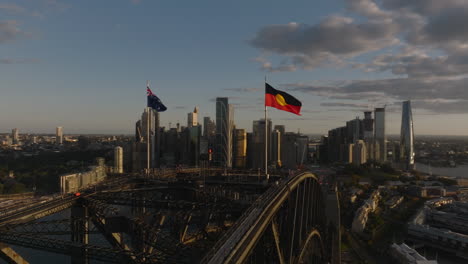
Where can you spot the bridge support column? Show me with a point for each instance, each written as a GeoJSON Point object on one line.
{"type": "Point", "coordinates": [79, 228]}
{"type": "Point", "coordinates": [185, 228]}
{"type": "Point", "coordinates": [274, 228]}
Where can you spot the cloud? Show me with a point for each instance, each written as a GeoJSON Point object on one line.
{"type": "Point", "coordinates": [423, 7]}
{"type": "Point", "coordinates": [367, 8]}
{"type": "Point", "coordinates": [419, 65]}
{"type": "Point", "coordinates": [422, 43]}
{"type": "Point", "coordinates": [18, 61]}
{"type": "Point", "coordinates": [432, 29]}
{"type": "Point", "coordinates": [308, 46]}
{"type": "Point", "coordinates": [437, 96]}
{"type": "Point", "coordinates": [9, 31]}
{"type": "Point", "coordinates": [12, 9]}
{"type": "Point", "coordinates": [230, 99]}
{"type": "Point", "coordinates": [448, 26]}
{"type": "Point", "coordinates": [338, 104]}
{"type": "Point", "coordinates": [243, 90]}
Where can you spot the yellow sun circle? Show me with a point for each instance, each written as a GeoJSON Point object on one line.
{"type": "Point", "coordinates": [280, 100]}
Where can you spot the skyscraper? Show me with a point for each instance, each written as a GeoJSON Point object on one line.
{"type": "Point", "coordinates": [369, 133]}
{"type": "Point", "coordinates": [118, 159]}
{"type": "Point", "coordinates": [192, 119]}
{"type": "Point", "coordinates": [258, 144]}
{"type": "Point", "coordinates": [380, 139]}
{"type": "Point", "coordinates": [59, 135]}
{"type": "Point", "coordinates": [149, 119]}
{"type": "Point", "coordinates": [359, 152]}
{"type": "Point", "coordinates": [407, 137]}
{"type": "Point", "coordinates": [15, 136]}
{"type": "Point", "coordinates": [296, 147]}
{"type": "Point", "coordinates": [209, 127]}
{"type": "Point", "coordinates": [368, 125]}
{"type": "Point", "coordinates": [276, 147]}
{"type": "Point", "coordinates": [194, 145]}
{"type": "Point", "coordinates": [224, 124]}
{"type": "Point", "coordinates": [240, 138]}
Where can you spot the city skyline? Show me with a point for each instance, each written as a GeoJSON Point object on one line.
{"type": "Point", "coordinates": [84, 65]}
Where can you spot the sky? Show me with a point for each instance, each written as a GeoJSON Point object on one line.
{"type": "Point", "coordinates": [83, 65]}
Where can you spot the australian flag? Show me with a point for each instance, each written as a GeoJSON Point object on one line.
{"type": "Point", "coordinates": [154, 102]}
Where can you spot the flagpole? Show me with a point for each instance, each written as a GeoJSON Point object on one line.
{"type": "Point", "coordinates": [147, 136]}
{"type": "Point", "coordinates": [266, 141]}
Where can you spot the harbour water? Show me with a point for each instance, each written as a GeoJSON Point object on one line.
{"type": "Point", "coordinates": [460, 171]}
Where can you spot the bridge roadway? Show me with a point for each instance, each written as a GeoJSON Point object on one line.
{"type": "Point", "coordinates": [236, 244]}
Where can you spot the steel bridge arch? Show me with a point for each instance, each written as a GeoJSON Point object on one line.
{"type": "Point", "coordinates": [309, 242]}
{"type": "Point", "coordinates": [249, 241]}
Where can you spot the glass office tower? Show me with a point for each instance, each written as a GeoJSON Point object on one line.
{"type": "Point", "coordinates": [407, 137]}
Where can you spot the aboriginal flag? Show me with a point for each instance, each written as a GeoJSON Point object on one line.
{"type": "Point", "coordinates": [281, 100]}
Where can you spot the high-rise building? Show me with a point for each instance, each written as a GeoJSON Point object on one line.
{"type": "Point", "coordinates": [353, 130]}
{"type": "Point", "coordinates": [296, 146]}
{"type": "Point", "coordinates": [368, 125]}
{"type": "Point", "coordinates": [59, 135]}
{"type": "Point", "coordinates": [349, 153]}
{"type": "Point", "coordinates": [149, 120]}
{"type": "Point", "coordinates": [194, 145]}
{"type": "Point", "coordinates": [407, 137]}
{"type": "Point", "coordinates": [380, 139]}
{"type": "Point", "coordinates": [359, 152]}
{"type": "Point", "coordinates": [15, 136]}
{"type": "Point", "coordinates": [258, 144]}
{"type": "Point", "coordinates": [369, 133]}
{"type": "Point", "coordinates": [118, 160]}
{"type": "Point", "coordinates": [240, 148]}
{"type": "Point", "coordinates": [280, 128]}
{"type": "Point", "coordinates": [192, 119]}
{"type": "Point", "coordinates": [209, 127]}
{"type": "Point", "coordinates": [224, 125]}
{"type": "Point", "coordinates": [276, 147]}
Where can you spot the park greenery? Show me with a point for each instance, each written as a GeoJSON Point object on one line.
{"type": "Point", "coordinates": [41, 172]}
{"type": "Point", "coordinates": [377, 173]}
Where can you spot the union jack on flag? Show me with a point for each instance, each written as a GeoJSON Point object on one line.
{"type": "Point", "coordinates": [148, 91]}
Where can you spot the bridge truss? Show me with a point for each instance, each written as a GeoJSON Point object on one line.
{"type": "Point", "coordinates": [287, 224]}
{"type": "Point", "coordinates": [141, 220]}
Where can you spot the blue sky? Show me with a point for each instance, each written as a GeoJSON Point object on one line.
{"type": "Point", "coordinates": [83, 65]}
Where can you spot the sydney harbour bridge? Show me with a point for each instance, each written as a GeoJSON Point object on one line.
{"type": "Point", "coordinates": [185, 216]}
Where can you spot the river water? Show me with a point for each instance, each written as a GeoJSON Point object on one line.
{"type": "Point", "coordinates": [460, 171]}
